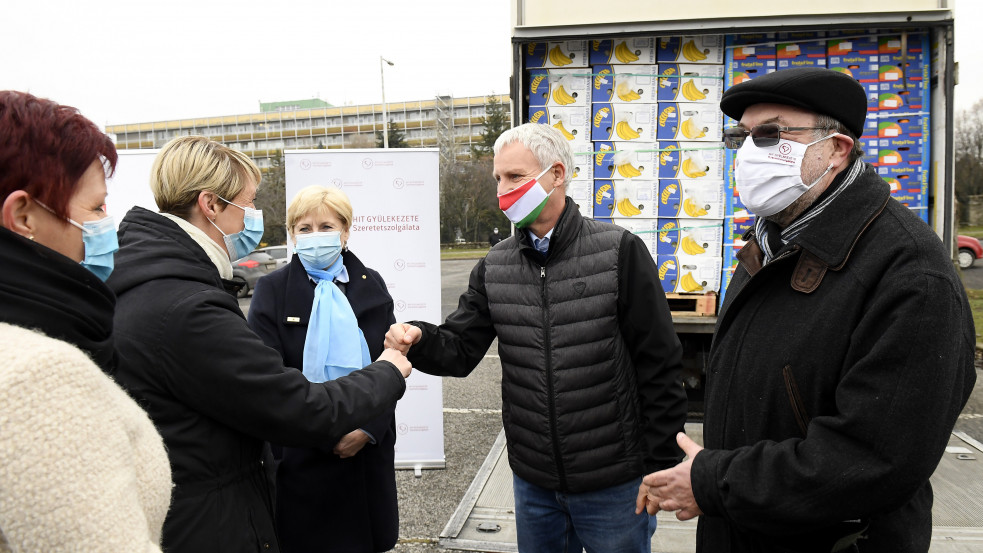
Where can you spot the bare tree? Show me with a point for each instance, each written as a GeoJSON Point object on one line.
{"type": "Point", "coordinates": [968, 143]}
{"type": "Point", "coordinates": [271, 198]}
{"type": "Point", "coordinates": [468, 202]}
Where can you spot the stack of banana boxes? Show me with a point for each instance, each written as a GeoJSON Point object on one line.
{"type": "Point", "coordinates": [893, 69]}
{"type": "Point", "coordinates": [642, 115]}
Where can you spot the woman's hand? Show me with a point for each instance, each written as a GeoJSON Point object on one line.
{"type": "Point", "coordinates": [351, 443]}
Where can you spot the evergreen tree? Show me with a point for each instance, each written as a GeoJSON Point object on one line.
{"type": "Point", "coordinates": [496, 121]}
{"type": "Point", "coordinates": [396, 137]}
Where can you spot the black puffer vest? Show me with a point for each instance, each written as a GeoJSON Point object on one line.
{"type": "Point", "coordinates": [569, 392]}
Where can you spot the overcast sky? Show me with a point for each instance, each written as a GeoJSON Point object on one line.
{"type": "Point", "coordinates": [136, 61]}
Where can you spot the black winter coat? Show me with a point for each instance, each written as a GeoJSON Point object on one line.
{"type": "Point", "coordinates": [836, 374]}
{"type": "Point", "coordinates": [324, 502]}
{"type": "Point", "coordinates": [590, 362]}
{"type": "Point", "coordinates": [216, 392]}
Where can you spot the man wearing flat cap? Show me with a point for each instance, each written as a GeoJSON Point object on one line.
{"type": "Point", "coordinates": [843, 351]}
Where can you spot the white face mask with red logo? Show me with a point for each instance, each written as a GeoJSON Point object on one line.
{"type": "Point", "coordinates": [769, 179]}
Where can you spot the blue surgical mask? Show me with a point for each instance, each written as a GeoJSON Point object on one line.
{"type": "Point", "coordinates": [318, 250]}
{"type": "Point", "coordinates": [242, 243]}
{"type": "Point", "coordinates": [101, 244]}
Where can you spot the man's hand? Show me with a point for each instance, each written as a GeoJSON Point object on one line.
{"type": "Point", "coordinates": [398, 359]}
{"type": "Point", "coordinates": [401, 336]}
{"type": "Point", "coordinates": [350, 444]}
{"type": "Point", "coordinates": [671, 489]}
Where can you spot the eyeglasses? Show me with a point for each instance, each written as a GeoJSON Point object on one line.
{"type": "Point", "coordinates": [767, 134]}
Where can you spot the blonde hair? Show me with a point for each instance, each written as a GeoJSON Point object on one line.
{"type": "Point", "coordinates": [319, 198]}
{"type": "Point", "coordinates": [188, 165]}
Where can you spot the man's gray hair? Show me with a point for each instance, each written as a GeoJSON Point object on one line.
{"type": "Point", "coordinates": [545, 142]}
{"type": "Point", "coordinates": [827, 125]}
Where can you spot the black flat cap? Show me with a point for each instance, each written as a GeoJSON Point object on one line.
{"type": "Point", "coordinates": [816, 89]}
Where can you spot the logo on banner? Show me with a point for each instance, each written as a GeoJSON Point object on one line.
{"type": "Point", "coordinates": [305, 164]}
{"type": "Point", "coordinates": [367, 163]}
{"type": "Point", "coordinates": [336, 182]}
{"type": "Point", "coordinates": [403, 429]}
{"type": "Point", "coordinates": [399, 264]}
{"type": "Point", "coordinates": [398, 183]}
{"type": "Point", "coordinates": [400, 305]}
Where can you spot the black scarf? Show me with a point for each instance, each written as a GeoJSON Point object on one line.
{"type": "Point", "coordinates": [40, 289]}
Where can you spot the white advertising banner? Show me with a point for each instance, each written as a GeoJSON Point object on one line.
{"type": "Point", "coordinates": [396, 231]}
{"type": "Point", "coordinates": [130, 184]}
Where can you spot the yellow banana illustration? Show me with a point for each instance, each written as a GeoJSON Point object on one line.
{"type": "Point", "coordinates": [689, 283]}
{"type": "Point", "coordinates": [596, 45]}
{"type": "Point", "coordinates": [601, 114]}
{"type": "Point", "coordinates": [664, 116]}
{"type": "Point", "coordinates": [600, 78]}
{"type": "Point", "coordinates": [626, 208]}
{"type": "Point", "coordinates": [624, 54]}
{"type": "Point", "coordinates": [628, 171]}
{"type": "Point", "coordinates": [566, 134]}
{"type": "Point", "coordinates": [599, 156]}
{"type": "Point", "coordinates": [536, 116]}
{"type": "Point", "coordinates": [562, 97]}
{"type": "Point", "coordinates": [664, 235]}
{"type": "Point", "coordinates": [692, 93]}
{"type": "Point", "coordinates": [625, 131]}
{"type": "Point", "coordinates": [625, 93]}
{"type": "Point", "coordinates": [690, 130]}
{"type": "Point", "coordinates": [558, 58]}
{"type": "Point", "coordinates": [693, 210]}
{"type": "Point", "coordinates": [665, 267]}
{"type": "Point", "coordinates": [535, 83]}
{"type": "Point", "coordinates": [691, 170]}
{"type": "Point", "coordinates": [692, 53]}
{"type": "Point", "coordinates": [532, 48]}
{"type": "Point", "coordinates": [664, 81]}
{"type": "Point", "coordinates": [601, 193]}
{"type": "Point", "coordinates": [666, 155]}
{"type": "Point", "coordinates": [691, 247]}
{"type": "Point", "coordinates": [668, 191]}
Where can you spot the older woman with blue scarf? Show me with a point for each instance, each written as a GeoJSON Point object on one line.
{"type": "Point", "coordinates": [328, 313]}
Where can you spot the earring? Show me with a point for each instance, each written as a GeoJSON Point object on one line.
{"type": "Point", "coordinates": [31, 238]}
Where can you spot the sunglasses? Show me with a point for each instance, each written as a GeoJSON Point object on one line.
{"type": "Point", "coordinates": [763, 136]}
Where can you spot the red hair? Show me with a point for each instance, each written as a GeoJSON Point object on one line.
{"type": "Point", "coordinates": [46, 147]}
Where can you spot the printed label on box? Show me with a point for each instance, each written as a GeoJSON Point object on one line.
{"type": "Point", "coordinates": [691, 160]}
{"type": "Point", "coordinates": [690, 49]}
{"type": "Point", "coordinates": [891, 126]}
{"type": "Point", "coordinates": [623, 122]}
{"type": "Point", "coordinates": [689, 199]}
{"type": "Point", "coordinates": [745, 70]}
{"type": "Point", "coordinates": [635, 199]}
{"type": "Point", "coordinates": [636, 50]}
{"type": "Point", "coordinates": [626, 84]}
{"type": "Point", "coordinates": [572, 121]}
{"type": "Point", "coordinates": [559, 87]}
{"type": "Point", "coordinates": [752, 46]}
{"type": "Point", "coordinates": [603, 205]}
{"type": "Point", "coordinates": [625, 160]}
{"type": "Point", "coordinates": [863, 68]}
{"type": "Point", "coordinates": [690, 83]}
{"type": "Point", "coordinates": [686, 121]}
{"type": "Point", "coordinates": [567, 53]}
{"type": "Point", "coordinates": [851, 44]}
{"type": "Point", "coordinates": [683, 273]}
{"type": "Point", "coordinates": [582, 194]}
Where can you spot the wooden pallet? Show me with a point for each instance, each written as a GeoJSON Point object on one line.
{"type": "Point", "coordinates": [692, 305]}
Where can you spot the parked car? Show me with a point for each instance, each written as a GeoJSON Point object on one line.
{"type": "Point", "coordinates": [249, 269]}
{"type": "Point", "coordinates": [969, 251]}
{"type": "Point", "coordinates": [279, 253]}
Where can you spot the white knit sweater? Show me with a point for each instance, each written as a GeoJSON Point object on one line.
{"type": "Point", "coordinates": [82, 468]}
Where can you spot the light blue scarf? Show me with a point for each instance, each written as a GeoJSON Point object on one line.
{"type": "Point", "coordinates": [334, 346]}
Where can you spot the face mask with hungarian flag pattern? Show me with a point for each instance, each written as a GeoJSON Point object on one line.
{"type": "Point", "coordinates": [523, 204]}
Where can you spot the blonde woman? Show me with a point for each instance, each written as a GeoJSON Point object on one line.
{"type": "Point", "coordinates": [215, 391]}
{"type": "Point", "coordinates": [327, 314]}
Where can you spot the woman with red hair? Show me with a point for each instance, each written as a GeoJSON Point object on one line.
{"type": "Point", "coordinates": [81, 465]}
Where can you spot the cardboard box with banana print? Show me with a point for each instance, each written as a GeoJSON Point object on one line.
{"type": "Point", "coordinates": [624, 122]}
{"type": "Point", "coordinates": [560, 87]}
{"type": "Point", "coordinates": [689, 274]}
{"type": "Point", "coordinates": [625, 84]}
{"type": "Point", "coordinates": [688, 121]}
{"type": "Point", "coordinates": [635, 50]}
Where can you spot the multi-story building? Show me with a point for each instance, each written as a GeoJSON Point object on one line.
{"type": "Point", "coordinates": [453, 124]}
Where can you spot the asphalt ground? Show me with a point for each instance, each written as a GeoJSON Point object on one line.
{"type": "Point", "coordinates": [472, 421]}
